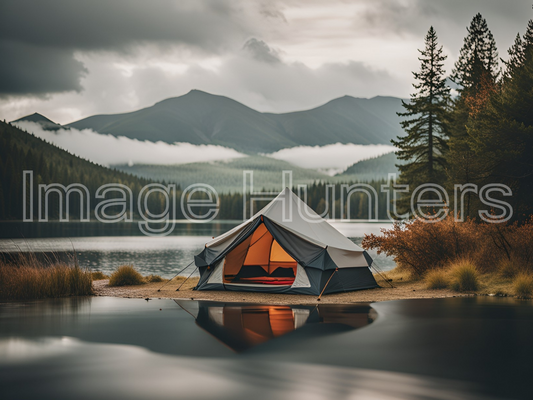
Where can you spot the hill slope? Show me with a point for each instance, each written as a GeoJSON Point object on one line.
{"type": "Point", "coordinates": [20, 151]}
{"type": "Point", "coordinates": [203, 118]}
{"type": "Point", "coordinates": [227, 176]}
{"type": "Point", "coordinates": [372, 169]}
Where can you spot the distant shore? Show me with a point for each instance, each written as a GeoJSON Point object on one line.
{"type": "Point", "coordinates": [401, 290]}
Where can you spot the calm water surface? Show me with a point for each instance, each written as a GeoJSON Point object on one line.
{"type": "Point", "coordinates": [88, 348]}
{"type": "Point", "coordinates": [163, 256]}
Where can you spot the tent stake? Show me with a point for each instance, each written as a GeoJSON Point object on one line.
{"type": "Point", "coordinates": [178, 289]}
{"type": "Point", "coordinates": [327, 283]}
{"type": "Point", "coordinates": [175, 276]}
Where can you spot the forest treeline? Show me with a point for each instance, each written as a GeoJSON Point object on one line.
{"type": "Point", "coordinates": [479, 133]}
{"type": "Point", "coordinates": [20, 150]}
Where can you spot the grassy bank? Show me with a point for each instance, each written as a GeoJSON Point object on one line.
{"type": "Point", "coordinates": [466, 257]}
{"type": "Point", "coordinates": [471, 282]}
{"type": "Point", "coordinates": [28, 278]}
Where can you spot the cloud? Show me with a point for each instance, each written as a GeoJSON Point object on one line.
{"type": "Point", "coordinates": [261, 51]}
{"type": "Point", "coordinates": [117, 24]}
{"type": "Point", "coordinates": [30, 69]}
{"type": "Point", "coordinates": [110, 150]}
{"type": "Point", "coordinates": [39, 35]}
{"type": "Point", "coordinates": [450, 17]}
{"type": "Point", "coordinates": [333, 158]}
{"type": "Point", "coordinates": [104, 56]}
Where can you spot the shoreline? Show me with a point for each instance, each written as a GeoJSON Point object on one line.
{"type": "Point", "coordinates": [401, 291]}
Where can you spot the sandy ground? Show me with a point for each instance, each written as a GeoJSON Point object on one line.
{"type": "Point", "coordinates": [401, 290]}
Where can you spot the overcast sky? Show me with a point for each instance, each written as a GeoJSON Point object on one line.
{"type": "Point", "coordinates": [70, 59]}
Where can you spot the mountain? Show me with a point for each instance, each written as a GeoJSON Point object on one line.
{"type": "Point", "coordinates": [372, 168]}
{"type": "Point", "coordinates": [344, 120]}
{"type": "Point", "coordinates": [46, 123]}
{"type": "Point", "coordinates": [203, 118]}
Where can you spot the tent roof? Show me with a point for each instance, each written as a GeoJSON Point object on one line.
{"type": "Point", "coordinates": [291, 213]}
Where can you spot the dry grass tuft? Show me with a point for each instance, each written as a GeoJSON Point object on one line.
{"type": "Point", "coordinates": [465, 276]}
{"type": "Point", "coordinates": [523, 286]}
{"type": "Point", "coordinates": [437, 279]}
{"type": "Point", "coordinates": [153, 279]}
{"type": "Point", "coordinates": [126, 275]}
{"type": "Point", "coordinates": [98, 276]}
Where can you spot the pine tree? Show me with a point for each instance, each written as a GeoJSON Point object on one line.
{"type": "Point", "coordinates": [528, 36]}
{"type": "Point", "coordinates": [516, 57]}
{"type": "Point", "coordinates": [504, 129]}
{"type": "Point", "coordinates": [479, 50]}
{"type": "Point", "coordinates": [476, 72]}
{"type": "Point", "coordinates": [424, 146]}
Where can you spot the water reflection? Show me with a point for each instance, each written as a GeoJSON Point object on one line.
{"type": "Point", "coordinates": [88, 348]}
{"type": "Point", "coordinates": [66, 368]}
{"type": "Point", "coordinates": [242, 326]}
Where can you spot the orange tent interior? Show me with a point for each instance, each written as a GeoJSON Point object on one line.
{"type": "Point", "coordinates": [259, 260]}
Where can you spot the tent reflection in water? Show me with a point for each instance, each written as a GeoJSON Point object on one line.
{"type": "Point", "coordinates": [242, 326]}
{"type": "Point", "coordinates": [284, 248]}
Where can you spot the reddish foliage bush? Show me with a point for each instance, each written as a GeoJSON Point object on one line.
{"type": "Point", "coordinates": [419, 246]}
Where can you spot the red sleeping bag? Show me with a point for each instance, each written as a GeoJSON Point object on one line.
{"type": "Point", "coordinates": [269, 280]}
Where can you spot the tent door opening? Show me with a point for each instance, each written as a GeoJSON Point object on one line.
{"type": "Point", "coordinates": [259, 260]}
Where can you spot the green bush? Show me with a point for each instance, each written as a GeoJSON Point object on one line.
{"type": "Point", "coordinates": [523, 286]}
{"type": "Point", "coordinates": [153, 279]}
{"type": "Point", "coordinates": [465, 276]}
{"type": "Point", "coordinates": [126, 275]}
{"type": "Point", "coordinates": [437, 279]}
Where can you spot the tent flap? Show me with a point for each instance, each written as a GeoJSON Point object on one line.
{"type": "Point", "coordinates": [302, 250]}
{"type": "Point", "coordinates": [301, 279]}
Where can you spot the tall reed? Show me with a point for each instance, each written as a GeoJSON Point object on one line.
{"type": "Point", "coordinates": [25, 277]}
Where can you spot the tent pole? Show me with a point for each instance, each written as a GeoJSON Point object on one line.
{"type": "Point", "coordinates": [175, 275]}
{"type": "Point", "coordinates": [178, 289]}
{"type": "Point", "coordinates": [327, 283]}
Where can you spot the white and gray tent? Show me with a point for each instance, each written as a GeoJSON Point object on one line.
{"type": "Point", "coordinates": [284, 248]}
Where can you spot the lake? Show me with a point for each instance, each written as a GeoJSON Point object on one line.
{"type": "Point", "coordinates": [98, 347]}
{"type": "Point", "coordinates": [104, 247]}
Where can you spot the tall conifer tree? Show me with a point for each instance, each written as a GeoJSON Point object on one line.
{"type": "Point", "coordinates": [504, 129]}
{"type": "Point", "coordinates": [476, 73]}
{"type": "Point", "coordinates": [424, 146]}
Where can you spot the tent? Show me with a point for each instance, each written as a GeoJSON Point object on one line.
{"type": "Point", "coordinates": [284, 248]}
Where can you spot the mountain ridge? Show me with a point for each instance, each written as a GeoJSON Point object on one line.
{"type": "Point", "coordinates": [202, 118]}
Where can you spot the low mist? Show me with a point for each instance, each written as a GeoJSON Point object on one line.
{"type": "Point", "coordinates": [331, 159]}
{"type": "Point", "coordinates": [111, 150]}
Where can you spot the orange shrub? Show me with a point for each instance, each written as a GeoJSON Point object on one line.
{"type": "Point", "coordinates": [420, 246]}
